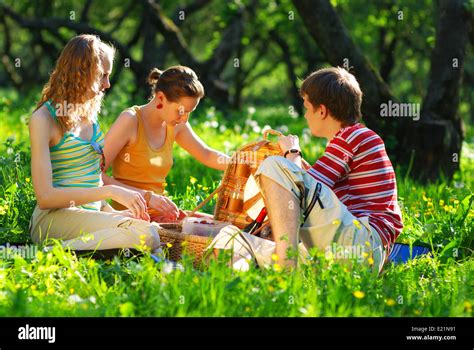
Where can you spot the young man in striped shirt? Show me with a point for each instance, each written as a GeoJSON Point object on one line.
{"type": "Point", "coordinates": [346, 203]}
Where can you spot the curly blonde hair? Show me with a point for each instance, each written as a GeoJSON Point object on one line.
{"type": "Point", "coordinates": [75, 80]}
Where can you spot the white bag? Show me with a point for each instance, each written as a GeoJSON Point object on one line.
{"type": "Point", "coordinates": [247, 247]}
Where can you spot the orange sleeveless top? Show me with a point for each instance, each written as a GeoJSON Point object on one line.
{"type": "Point", "coordinates": [141, 166]}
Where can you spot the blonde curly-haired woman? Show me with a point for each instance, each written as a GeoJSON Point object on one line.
{"type": "Point", "coordinates": [67, 159]}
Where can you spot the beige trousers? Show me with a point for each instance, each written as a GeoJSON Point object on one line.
{"type": "Point", "coordinates": [82, 229]}
{"type": "Point", "coordinates": [333, 228]}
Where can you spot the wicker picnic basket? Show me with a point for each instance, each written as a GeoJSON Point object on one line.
{"type": "Point", "coordinates": [178, 243]}
{"type": "Point", "coordinates": [231, 205]}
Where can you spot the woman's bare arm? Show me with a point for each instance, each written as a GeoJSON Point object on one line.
{"type": "Point", "coordinates": [119, 135]}
{"type": "Point", "coordinates": [192, 143]}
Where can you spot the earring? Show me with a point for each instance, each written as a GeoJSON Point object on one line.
{"type": "Point", "coordinates": [159, 106]}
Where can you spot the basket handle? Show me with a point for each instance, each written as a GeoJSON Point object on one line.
{"type": "Point", "coordinates": [203, 203]}
{"type": "Point", "coordinates": [257, 231]}
{"type": "Point", "coordinates": [272, 132]}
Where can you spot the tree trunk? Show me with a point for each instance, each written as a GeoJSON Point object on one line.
{"type": "Point", "coordinates": [238, 79]}
{"type": "Point", "coordinates": [437, 139]}
{"type": "Point", "coordinates": [210, 70]}
{"type": "Point", "coordinates": [290, 71]}
{"type": "Point", "coordinates": [324, 25]}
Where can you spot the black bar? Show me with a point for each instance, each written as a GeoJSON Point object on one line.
{"type": "Point", "coordinates": [357, 332]}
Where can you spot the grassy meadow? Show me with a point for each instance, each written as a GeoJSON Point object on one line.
{"type": "Point", "coordinates": [57, 283]}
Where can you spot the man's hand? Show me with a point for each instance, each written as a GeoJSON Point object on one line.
{"type": "Point", "coordinates": [289, 142]}
{"type": "Point", "coordinates": [305, 165]}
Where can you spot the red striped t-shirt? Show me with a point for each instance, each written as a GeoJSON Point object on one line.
{"type": "Point", "coordinates": [356, 167]}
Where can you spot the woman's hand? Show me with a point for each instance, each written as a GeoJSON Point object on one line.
{"type": "Point", "coordinates": [163, 207]}
{"type": "Point", "coordinates": [128, 213]}
{"type": "Point", "coordinates": [289, 142]}
{"type": "Point", "coordinates": [133, 200]}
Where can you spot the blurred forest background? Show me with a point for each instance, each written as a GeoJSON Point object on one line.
{"type": "Point", "coordinates": [255, 52]}
{"type": "Point", "coordinates": [251, 56]}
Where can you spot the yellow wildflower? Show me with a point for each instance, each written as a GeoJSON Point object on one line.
{"type": "Point", "coordinates": [467, 306]}
{"type": "Point", "coordinates": [390, 302]}
{"type": "Point", "coordinates": [274, 257]}
{"type": "Point", "coordinates": [169, 245]}
{"type": "Point", "coordinates": [277, 267]}
{"type": "Point", "coordinates": [357, 223]}
{"type": "Point", "coordinates": [359, 294]}
{"type": "Point", "coordinates": [192, 179]}
{"type": "Point", "coordinates": [336, 222]}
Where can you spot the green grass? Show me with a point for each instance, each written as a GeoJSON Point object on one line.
{"type": "Point", "coordinates": [57, 283]}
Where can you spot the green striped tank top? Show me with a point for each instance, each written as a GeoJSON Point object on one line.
{"type": "Point", "coordinates": [76, 162]}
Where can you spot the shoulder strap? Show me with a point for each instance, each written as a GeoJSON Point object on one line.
{"type": "Point", "coordinates": [51, 109]}
{"type": "Point", "coordinates": [169, 135]}
{"type": "Point", "coordinates": [139, 137]}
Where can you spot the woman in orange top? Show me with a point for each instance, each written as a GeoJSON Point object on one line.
{"type": "Point", "coordinates": [139, 145]}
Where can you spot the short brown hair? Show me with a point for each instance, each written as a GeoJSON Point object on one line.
{"type": "Point", "coordinates": [176, 82]}
{"type": "Point", "coordinates": [338, 90]}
